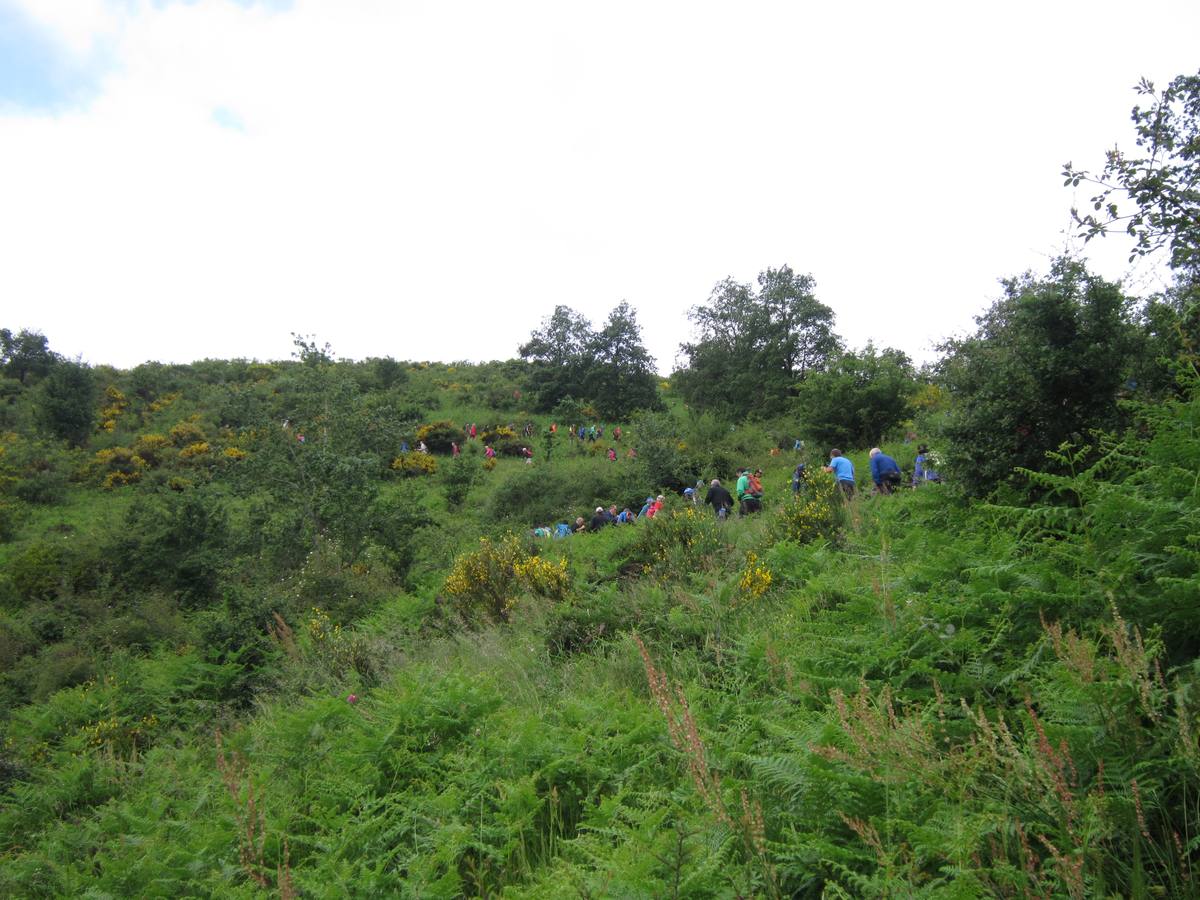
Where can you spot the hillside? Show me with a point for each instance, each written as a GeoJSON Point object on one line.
{"type": "Point", "coordinates": [249, 646]}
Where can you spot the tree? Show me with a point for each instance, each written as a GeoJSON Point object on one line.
{"type": "Point", "coordinates": [858, 398]}
{"type": "Point", "coordinates": [1045, 366]}
{"type": "Point", "coordinates": [755, 346]}
{"type": "Point", "coordinates": [621, 376]}
{"type": "Point", "coordinates": [609, 368]}
{"type": "Point", "coordinates": [67, 406]}
{"type": "Point", "coordinates": [309, 352]}
{"type": "Point", "coordinates": [25, 353]}
{"type": "Point", "coordinates": [1162, 181]}
{"type": "Point", "coordinates": [558, 354]}
{"type": "Point", "coordinates": [799, 328]}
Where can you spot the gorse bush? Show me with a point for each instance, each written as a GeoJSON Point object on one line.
{"type": "Point", "coordinates": [117, 466]}
{"type": "Point", "coordinates": [679, 540]}
{"type": "Point", "coordinates": [414, 464]}
{"type": "Point", "coordinates": [486, 583]}
{"type": "Point", "coordinates": [817, 511]}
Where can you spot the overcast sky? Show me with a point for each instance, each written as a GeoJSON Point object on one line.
{"type": "Point", "coordinates": [181, 180]}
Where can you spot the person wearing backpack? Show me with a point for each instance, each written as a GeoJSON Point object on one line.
{"type": "Point", "coordinates": [756, 488]}
{"type": "Point", "coordinates": [745, 494]}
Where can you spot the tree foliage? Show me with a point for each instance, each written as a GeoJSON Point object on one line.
{"type": "Point", "coordinates": [1161, 180]}
{"type": "Point", "coordinates": [621, 376]}
{"type": "Point", "coordinates": [755, 345]}
{"type": "Point", "coordinates": [67, 405]}
{"type": "Point", "coordinates": [858, 399]}
{"type": "Point", "coordinates": [25, 354]}
{"type": "Point", "coordinates": [1046, 365]}
{"type": "Point", "coordinates": [609, 368]}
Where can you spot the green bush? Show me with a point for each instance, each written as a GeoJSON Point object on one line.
{"type": "Point", "coordinates": [438, 436]}
{"type": "Point", "coordinates": [11, 516]}
{"type": "Point", "coordinates": [540, 494]}
{"type": "Point", "coordinates": [457, 479]}
{"type": "Point", "coordinates": [37, 572]}
{"type": "Point", "coordinates": [679, 540]}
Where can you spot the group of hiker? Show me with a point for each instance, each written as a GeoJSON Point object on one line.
{"type": "Point", "coordinates": [603, 517]}
{"type": "Point", "coordinates": [748, 491]}
{"type": "Point", "coordinates": [885, 471]}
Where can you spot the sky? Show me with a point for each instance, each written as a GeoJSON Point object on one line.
{"type": "Point", "coordinates": [189, 179]}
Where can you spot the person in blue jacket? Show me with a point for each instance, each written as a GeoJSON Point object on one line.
{"type": "Point", "coordinates": [885, 471]}
{"type": "Point", "coordinates": [921, 470]}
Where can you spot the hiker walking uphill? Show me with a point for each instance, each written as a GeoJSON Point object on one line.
{"type": "Point", "coordinates": [799, 475]}
{"type": "Point", "coordinates": [885, 471]}
{"type": "Point", "coordinates": [921, 467]}
{"type": "Point", "coordinates": [843, 470]}
{"type": "Point", "coordinates": [719, 499]}
{"type": "Point", "coordinates": [749, 492]}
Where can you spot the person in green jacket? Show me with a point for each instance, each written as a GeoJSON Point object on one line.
{"type": "Point", "coordinates": [749, 503]}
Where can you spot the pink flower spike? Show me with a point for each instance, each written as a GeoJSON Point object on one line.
{"type": "Point", "coordinates": [353, 698]}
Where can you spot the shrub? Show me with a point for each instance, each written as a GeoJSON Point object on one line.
{"type": "Point", "coordinates": [193, 451]}
{"type": "Point", "coordinates": [117, 466]}
{"type": "Point", "coordinates": [414, 463]}
{"type": "Point", "coordinates": [115, 403]}
{"type": "Point", "coordinates": [184, 434]}
{"type": "Point", "coordinates": [459, 476]}
{"type": "Point", "coordinates": [755, 579]}
{"type": "Point", "coordinates": [153, 448]}
{"type": "Point", "coordinates": [175, 542]}
{"type": "Point", "coordinates": [487, 581]}
{"type": "Point", "coordinates": [539, 494]}
{"type": "Point", "coordinates": [676, 542]}
{"type": "Point", "coordinates": [816, 512]}
{"type": "Point", "coordinates": [33, 471]}
{"type": "Point", "coordinates": [438, 436]}
{"type": "Point", "coordinates": [66, 406]}
{"type": "Point", "coordinates": [37, 571]}
{"type": "Point", "coordinates": [10, 520]}
{"type": "Point", "coordinates": [337, 649]}
{"type": "Point", "coordinates": [504, 440]}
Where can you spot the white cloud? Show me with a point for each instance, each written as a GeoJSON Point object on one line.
{"type": "Point", "coordinates": [429, 180]}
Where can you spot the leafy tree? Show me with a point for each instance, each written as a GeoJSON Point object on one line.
{"type": "Point", "coordinates": [309, 352]}
{"type": "Point", "coordinates": [858, 398]}
{"type": "Point", "coordinates": [661, 457]}
{"type": "Point", "coordinates": [609, 368]}
{"type": "Point", "coordinates": [558, 354]}
{"type": "Point", "coordinates": [1045, 366]}
{"type": "Point", "coordinates": [1161, 181]}
{"type": "Point", "coordinates": [24, 354]}
{"type": "Point", "coordinates": [621, 375]}
{"type": "Point", "coordinates": [1169, 337]}
{"type": "Point", "coordinates": [67, 406]}
{"type": "Point", "coordinates": [756, 345]}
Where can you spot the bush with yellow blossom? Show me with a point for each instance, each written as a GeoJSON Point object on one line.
{"type": "Point", "coordinates": [414, 463]}
{"type": "Point", "coordinates": [116, 466]}
{"type": "Point", "coordinates": [489, 580]}
{"type": "Point", "coordinates": [755, 580]}
{"type": "Point", "coordinates": [677, 541]}
{"type": "Point", "coordinates": [816, 512]}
